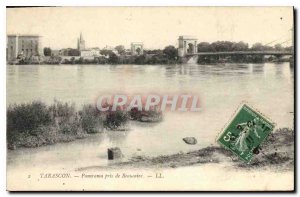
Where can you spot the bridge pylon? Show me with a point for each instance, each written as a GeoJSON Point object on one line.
{"type": "Point", "coordinates": [187, 46]}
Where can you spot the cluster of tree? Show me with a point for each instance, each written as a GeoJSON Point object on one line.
{"type": "Point", "coordinates": [212, 59]}
{"type": "Point", "coordinates": [81, 60]}
{"type": "Point", "coordinates": [166, 56]}
{"type": "Point", "coordinates": [220, 46]}
{"type": "Point", "coordinates": [153, 52]}
{"type": "Point", "coordinates": [171, 52]}
{"type": "Point", "coordinates": [106, 52]}
{"type": "Point", "coordinates": [237, 46]}
{"type": "Point", "coordinates": [121, 49]}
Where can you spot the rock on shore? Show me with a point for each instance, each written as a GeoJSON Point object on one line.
{"type": "Point", "coordinates": [190, 140]}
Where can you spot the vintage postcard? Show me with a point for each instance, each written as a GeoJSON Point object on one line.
{"type": "Point", "coordinates": [150, 98]}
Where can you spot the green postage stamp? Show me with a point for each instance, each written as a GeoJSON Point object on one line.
{"type": "Point", "coordinates": [246, 131]}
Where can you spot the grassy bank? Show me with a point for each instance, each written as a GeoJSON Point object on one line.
{"type": "Point", "coordinates": [36, 124]}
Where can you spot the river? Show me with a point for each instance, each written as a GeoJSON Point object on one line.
{"type": "Point", "coordinates": [268, 87]}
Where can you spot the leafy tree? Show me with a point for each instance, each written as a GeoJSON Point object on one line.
{"type": "Point", "coordinates": [154, 52]}
{"type": "Point", "coordinates": [113, 58]}
{"type": "Point", "coordinates": [257, 47]}
{"type": "Point", "coordinates": [278, 47]}
{"type": "Point", "coordinates": [268, 48]}
{"type": "Point", "coordinates": [171, 52]}
{"type": "Point", "coordinates": [120, 49]}
{"type": "Point", "coordinates": [47, 51]}
{"type": "Point", "coordinates": [222, 46]}
{"type": "Point", "coordinates": [290, 48]}
{"type": "Point", "coordinates": [240, 46]}
{"type": "Point", "coordinates": [106, 52]}
{"type": "Point", "coordinates": [204, 47]}
{"type": "Point", "coordinates": [141, 59]}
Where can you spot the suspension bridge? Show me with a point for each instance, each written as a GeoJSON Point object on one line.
{"type": "Point", "coordinates": [188, 49]}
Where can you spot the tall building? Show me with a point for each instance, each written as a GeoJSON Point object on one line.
{"type": "Point", "coordinates": [80, 43]}
{"type": "Point", "coordinates": [26, 45]}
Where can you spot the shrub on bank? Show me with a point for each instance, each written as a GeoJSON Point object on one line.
{"type": "Point", "coordinates": [116, 120]}
{"type": "Point", "coordinates": [36, 124]}
{"type": "Point", "coordinates": [65, 118]}
{"type": "Point", "coordinates": [26, 123]}
{"type": "Point", "coordinates": [152, 115]}
{"type": "Point", "coordinates": [91, 119]}
{"type": "Point", "coordinates": [28, 117]}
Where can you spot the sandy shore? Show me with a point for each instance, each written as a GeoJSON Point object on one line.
{"type": "Point", "coordinates": [209, 169]}
{"type": "Point", "coordinates": [277, 153]}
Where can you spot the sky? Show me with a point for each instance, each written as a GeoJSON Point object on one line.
{"type": "Point", "coordinates": [156, 27]}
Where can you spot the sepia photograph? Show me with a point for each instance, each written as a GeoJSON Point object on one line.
{"type": "Point", "coordinates": [150, 99]}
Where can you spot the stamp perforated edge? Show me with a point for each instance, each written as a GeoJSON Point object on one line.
{"type": "Point", "coordinates": [231, 119]}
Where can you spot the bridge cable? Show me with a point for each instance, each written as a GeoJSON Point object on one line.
{"type": "Point", "coordinates": [278, 38]}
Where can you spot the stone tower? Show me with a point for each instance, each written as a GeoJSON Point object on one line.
{"type": "Point", "coordinates": [137, 48]}
{"type": "Point", "coordinates": [80, 43]}
{"type": "Point", "coordinates": [187, 45]}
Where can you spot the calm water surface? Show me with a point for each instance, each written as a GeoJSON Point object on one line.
{"type": "Point", "coordinates": [268, 87]}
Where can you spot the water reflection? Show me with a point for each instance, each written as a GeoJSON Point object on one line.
{"type": "Point", "coordinates": [257, 68]}
{"type": "Point", "coordinates": [222, 69]}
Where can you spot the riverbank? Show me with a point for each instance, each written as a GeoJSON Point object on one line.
{"type": "Point", "coordinates": [112, 59]}
{"type": "Point", "coordinates": [277, 153]}
{"type": "Point", "coordinates": [83, 157]}
{"type": "Point", "coordinates": [146, 59]}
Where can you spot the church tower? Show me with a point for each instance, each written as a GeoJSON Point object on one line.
{"type": "Point", "coordinates": [80, 43]}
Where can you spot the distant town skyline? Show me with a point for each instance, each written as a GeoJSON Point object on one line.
{"type": "Point", "coordinates": [60, 27]}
